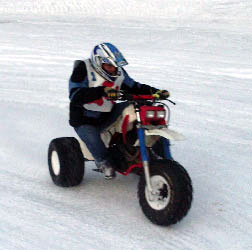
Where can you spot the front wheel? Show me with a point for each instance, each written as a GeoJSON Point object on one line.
{"type": "Point", "coordinates": [66, 162]}
{"type": "Point", "coordinates": [171, 197]}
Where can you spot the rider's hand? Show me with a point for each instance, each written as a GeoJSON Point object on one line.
{"type": "Point", "coordinates": [111, 93]}
{"type": "Point", "coordinates": [162, 94]}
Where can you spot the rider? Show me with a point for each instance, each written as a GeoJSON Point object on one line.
{"type": "Point", "coordinates": [92, 83]}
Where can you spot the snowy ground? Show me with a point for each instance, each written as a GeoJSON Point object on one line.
{"type": "Point", "coordinates": [199, 50]}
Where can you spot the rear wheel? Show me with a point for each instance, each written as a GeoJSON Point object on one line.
{"type": "Point", "coordinates": [66, 162]}
{"type": "Point", "coordinates": [171, 198]}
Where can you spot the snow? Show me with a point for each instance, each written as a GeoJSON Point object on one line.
{"type": "Point", "coordinates": [199, 50]}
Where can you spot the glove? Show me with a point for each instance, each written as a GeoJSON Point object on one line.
{"type": "Point", "coordinates": [162, 94]}
{"type": "Point", "coordinates": [111, 93]}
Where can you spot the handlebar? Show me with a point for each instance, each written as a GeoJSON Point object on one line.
{"type": "Point", "coordinates": [133, 97]}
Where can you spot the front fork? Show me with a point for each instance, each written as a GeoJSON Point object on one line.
{"type": "Point", "coordinates": [145, 160]}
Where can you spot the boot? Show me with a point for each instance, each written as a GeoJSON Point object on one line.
{"type": "Point", "coordinates": [109, 172]}
{"type": "Point", "coordinates": [106, 168]}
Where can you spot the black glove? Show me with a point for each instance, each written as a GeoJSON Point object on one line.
{"type": "Point", "coordinates": [162, 94]}
{"type": "Point", "coordinates": [111, 93]}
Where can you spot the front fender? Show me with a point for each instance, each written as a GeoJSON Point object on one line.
{"type": "Point", "coordinates": [166, 133]}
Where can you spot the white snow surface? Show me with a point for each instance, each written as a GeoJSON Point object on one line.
{"type": "Point", "coordinates": [200, 50]}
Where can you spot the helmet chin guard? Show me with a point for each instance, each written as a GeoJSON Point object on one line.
{"type": "Point", "coordinates": [109, 54]}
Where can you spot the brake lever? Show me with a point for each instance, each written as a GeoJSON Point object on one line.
{"type": "Point", "coordinates": [174, 103]}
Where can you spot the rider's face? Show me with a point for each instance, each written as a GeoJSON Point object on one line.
{"type": "Point", "coordinates": [110, 69]}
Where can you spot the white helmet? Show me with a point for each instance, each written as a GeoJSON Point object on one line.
{"type": "Point", "coordinates": [107, 53]}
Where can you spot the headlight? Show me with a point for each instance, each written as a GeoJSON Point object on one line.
{"type": "Point", "coordinates": [161, 114]}
{"type": "Point", "coordinates": [150, 114]}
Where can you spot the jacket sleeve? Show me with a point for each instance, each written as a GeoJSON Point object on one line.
{"type": "Point", "coordinates": [131, 86]}
{"type": "Point", "coordinates": [79, 91]}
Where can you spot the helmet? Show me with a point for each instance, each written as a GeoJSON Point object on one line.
{"type": "Point", "coordinates": [109, 54]}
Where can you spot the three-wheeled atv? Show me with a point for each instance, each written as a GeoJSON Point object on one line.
{"type": "Point", "coordinates": [139, 143]}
